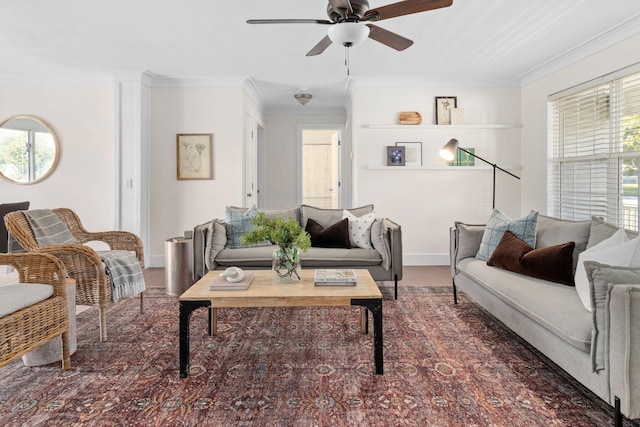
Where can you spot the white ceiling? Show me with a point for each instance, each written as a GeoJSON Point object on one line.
{"type": "Point", "coordinates": [498, 41]}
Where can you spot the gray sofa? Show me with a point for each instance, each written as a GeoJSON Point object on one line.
{"type": "Point", "coordinates": [551, 317]}
{"type": "Point", "coordinates": [384, 260]}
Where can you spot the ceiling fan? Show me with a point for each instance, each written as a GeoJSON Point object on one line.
{"type": "Point", "coordinates": [347, 18]}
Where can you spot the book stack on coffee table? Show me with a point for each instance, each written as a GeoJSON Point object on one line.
{"type": "Point", "coordinates": [335, 277]}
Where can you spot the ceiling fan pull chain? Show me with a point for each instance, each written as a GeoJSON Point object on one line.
{"type": "Point", "coordinates": [346, 58]}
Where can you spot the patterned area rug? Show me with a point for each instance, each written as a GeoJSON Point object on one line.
{"type": "Point", "coordinates": [445, 365]}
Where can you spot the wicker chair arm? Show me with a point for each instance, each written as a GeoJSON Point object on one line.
{"type": "Point", "coordinates": [79, 260]}
{"type": "Point", "coordinates": [38, 268]}
{"type": "Point", "coordinates": [117, 240]}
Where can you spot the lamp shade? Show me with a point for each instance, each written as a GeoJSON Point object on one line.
{"type": "Point", "coordinates": [348, 33]}
{"type": "Point", "coordinates": [448, 152]}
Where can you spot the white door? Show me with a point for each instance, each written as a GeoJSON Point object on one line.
{"type": "Point", "coordinates": [319, 183]}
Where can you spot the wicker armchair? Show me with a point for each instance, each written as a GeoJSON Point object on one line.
{"type": "Point", "coordinates": [93, 285]}
{"type": "Point", "coordinates": [29, 327]}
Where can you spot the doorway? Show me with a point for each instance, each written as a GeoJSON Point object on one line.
{"type": "Point", "coordinates": [319, 165]}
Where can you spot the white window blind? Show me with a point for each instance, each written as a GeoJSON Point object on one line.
{"type": "Point", "coordinates": [594, 150]}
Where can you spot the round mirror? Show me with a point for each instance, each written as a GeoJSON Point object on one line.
{"type": "Point", "coordinates": [29, 149]}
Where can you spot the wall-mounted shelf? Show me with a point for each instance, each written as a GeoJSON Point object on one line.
{"type": "Point", "coordinates": [437, 168]}
{"type": "Point", "coordinates": [441, 127]}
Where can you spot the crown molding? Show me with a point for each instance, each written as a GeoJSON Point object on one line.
{"type": "Point", "coordinates": [198, 81]}
{"type": "Point", "coordinates": [623, 31]}
{"type": "Point", "coordinates": [138, 76]}
{"type": "Point", "coordinates": [60, 80]}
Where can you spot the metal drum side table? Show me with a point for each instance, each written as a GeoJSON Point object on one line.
{"type": "Point", "coordinates": [178, 269]}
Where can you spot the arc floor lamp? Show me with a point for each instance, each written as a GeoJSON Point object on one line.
{"type": "Point", "coordinates": [448, 152]}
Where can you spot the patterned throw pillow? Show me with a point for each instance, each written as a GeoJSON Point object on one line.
{"type": "Point", "coordinates": [237, 224]}
{"type": "Point", "coordinates": [360, 229]}
{"type": "Point", "coordinates": [523, 228]}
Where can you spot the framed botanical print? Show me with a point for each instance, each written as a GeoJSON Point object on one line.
{"type": "Point", "coordinates": [444, 104]}
{"type": "Point", "coordinates": [194, 156]}
{"type": "Point", "coordinates": [412, 153]}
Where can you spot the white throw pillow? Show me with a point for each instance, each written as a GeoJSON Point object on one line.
{"type": "Point", "coordinates": [616, 250]}
{"type": "Point", "coordinates": [360, 229]}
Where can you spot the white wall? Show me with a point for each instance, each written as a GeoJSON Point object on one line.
{"type": "Point", "coordinates": [427, 201]}
{"type": "Point", "coordinates": [177, 206]}
{"type": "Point", "coordinates": [534, 113]}
{"type": "Point", "coordinates": [82, 118]}
{"type": "Point", "coordinates": [281, 143]}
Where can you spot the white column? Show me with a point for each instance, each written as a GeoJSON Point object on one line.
{"type": "Point", "coordinates": [132, 124]}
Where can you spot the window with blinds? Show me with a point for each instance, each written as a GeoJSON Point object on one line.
{"type": "Point", "coordinates": [594, 150]}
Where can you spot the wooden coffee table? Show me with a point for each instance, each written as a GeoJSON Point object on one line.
{"type": "Point", "coordinates": [264, 292]}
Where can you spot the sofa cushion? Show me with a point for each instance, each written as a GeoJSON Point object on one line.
{"type": "Point", "coordinates": [286, 213]}
{"type": "Point", "coordinates": [602, 230]}
{"type": "Point", "coordinates": [326, 217]}
{"type": "Point", "coordinates": [602, 278]}
{"type": "Point", "coordinates": [469, 239]}
{"type": "Point", "coordinates": [314, 257]}
{"type": "Point", "coordinates": [17, 296]}
{"type": "Point", "coordinates": [609, 251]}
{"type": "Point", "coordinates": [334, 236]}
{"type": "Point", "coordinates": [216, 241]}
{"type": "Point", "coordinates": [237, 224]}
{"type": "Point", "coordinates": [555, 307]}
{"type": "Point", "coordinates": [555, 231]}
{"type": "Point", "coordinates": [552, 263]}
{"type": "Point", "coordinates": [380, 242]}
{"type": "Point", "coordinates": [360, 229]}
{"type": "Point", "coordinates": [524, 228]}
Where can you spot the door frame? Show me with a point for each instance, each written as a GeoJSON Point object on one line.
{"type": "Point", "coordinates": [344, 158]}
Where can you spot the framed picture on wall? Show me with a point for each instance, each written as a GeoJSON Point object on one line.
{"type": "Point", "coordinates": [412, 153]}
{"type": "Point", "coordinates": [194, 156]}
{"type": "Point", "coordinates": [395, 156]}
{"type": "Point", "coordinates": [444, 104]}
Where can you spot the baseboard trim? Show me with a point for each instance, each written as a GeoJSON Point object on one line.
{"type": "Point", "coordinates": [425, 259]}
{"type": "Point", "coordinates": [155, 261]}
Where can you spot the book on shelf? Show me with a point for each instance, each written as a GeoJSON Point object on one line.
{"type": "Point", "coordinates": [335, 277]}
{"type": "Point", "coordinates": [222, 284]}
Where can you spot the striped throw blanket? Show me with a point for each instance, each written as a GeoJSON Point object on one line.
{"type": "Point", "coordinates": [122, 266]}
{"type": "Point", "coordinates": [47, 228]}
{"type": "Point", "coordinates": [125, 272]}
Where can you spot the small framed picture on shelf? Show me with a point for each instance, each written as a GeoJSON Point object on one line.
{"type": "Point", "coordinates": [444, 104]}
{"type": "Point", "coordinates": [395, 156]}
{"type": "Point", "coordinates": [412, 153]}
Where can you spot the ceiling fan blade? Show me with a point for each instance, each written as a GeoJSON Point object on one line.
{"type": "Point", "coordinates": [289, 21]}
{"type": "Point", "coordinates": [404, 8]}
{"type": "Point", "coordinates": [388, 38]}
{"type": "Point", "coordinates": [341, 4]}
{"type": "Point", "coordinates": [320, 47]}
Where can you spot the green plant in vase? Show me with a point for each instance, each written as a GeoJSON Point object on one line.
{"type": "Point", "coordinates": [290, 238]}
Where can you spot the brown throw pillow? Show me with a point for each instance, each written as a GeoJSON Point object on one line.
{"type": "Point", "coordinates": [553, 263]}
{"type": "Point", "coordinates": [334, 236]}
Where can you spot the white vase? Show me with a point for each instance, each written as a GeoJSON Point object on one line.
{"type": "Point", "coordinates": [286, 265]}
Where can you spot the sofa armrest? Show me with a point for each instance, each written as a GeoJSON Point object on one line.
{"type": "Point", "coordinates": [199, 247]}
{"type": "Point", "coordinates": [386, 238]}
{"type": "Point", "coordinates": [623, 312]}
{"type": "Point", "coordinates": [395, 240]}
{"type": "Point", "coordinates": [464, 242]}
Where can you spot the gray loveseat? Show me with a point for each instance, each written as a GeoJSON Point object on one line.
{"type": "Point", "coordinates": [384, 260]}
{"type": "Point", "coordinates": [551, 317]}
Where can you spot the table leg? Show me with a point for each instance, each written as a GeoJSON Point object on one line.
{"type": "Point", "coordinates": [186, 309]}
{"type": "Point", "coordinates": [375, 307]}
{"type": "Point", "coordinates": [213, 321]}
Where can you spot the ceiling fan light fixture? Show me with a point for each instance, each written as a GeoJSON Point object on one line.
{"type": "Point", "coordinates": [348, 33]}
{"type": "Point", "coordinates": [303, 98]}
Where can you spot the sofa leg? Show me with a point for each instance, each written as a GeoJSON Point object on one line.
{"type": "Point", "coordinates": [618, 415]}
{"type": "Point", "coordinates": [455, 292]}
{"type": "Point", "coordinates": [395, 279]}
